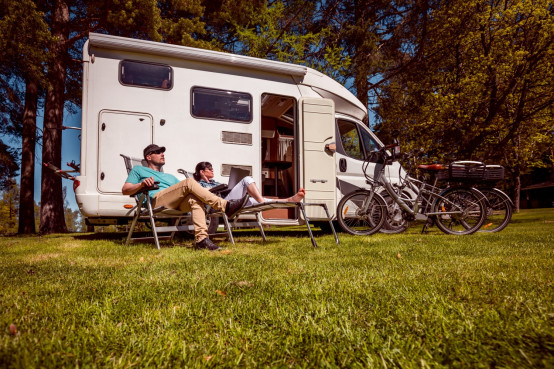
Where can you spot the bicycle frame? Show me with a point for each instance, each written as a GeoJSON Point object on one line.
{"type": "Point", "coordinates": [426, 194]}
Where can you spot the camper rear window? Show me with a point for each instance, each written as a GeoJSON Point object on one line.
{"type": "Point", "coordinates": [221, 105]}
{"type": "Point", "coordinates": [134, 73]}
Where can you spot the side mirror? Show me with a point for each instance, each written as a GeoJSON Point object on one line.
{"type": "Point", "coordinates": [395, 145]}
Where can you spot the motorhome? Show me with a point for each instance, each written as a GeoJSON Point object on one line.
{"type": "Point", "coordinates": [277, 120]}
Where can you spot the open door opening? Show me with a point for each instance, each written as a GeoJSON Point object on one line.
{"type": "Point", "coordinates": [278, 152]}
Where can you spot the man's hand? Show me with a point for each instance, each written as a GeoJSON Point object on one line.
{"type": "Point", "coordinates": [148, 182]}
{"type": "Point", "coordinates": [133, 188]}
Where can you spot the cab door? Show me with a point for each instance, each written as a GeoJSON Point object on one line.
{"type": "Point", "coordinates": [354, 142]}
{"type": "Point", "coordinates": [120, 133]}
{"type": "Point", "coordinates": [317, 166]}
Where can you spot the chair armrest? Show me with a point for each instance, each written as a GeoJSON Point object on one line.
{"type": "Point", "coordinates": [148, 189]}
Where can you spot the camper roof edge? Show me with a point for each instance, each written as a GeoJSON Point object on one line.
{"type": "Point", "coordinates": [151, 47]}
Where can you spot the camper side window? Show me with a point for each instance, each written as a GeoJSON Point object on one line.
{"type": "Point", "coordinates": [221, 105]}
{"type": "Point", "coordinates": [140, 74]}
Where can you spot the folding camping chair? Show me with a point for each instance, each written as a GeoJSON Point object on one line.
{"type": "Point", "coordinates": [144, 211]}
{"type": "Point", "coordinates": [237, 174]}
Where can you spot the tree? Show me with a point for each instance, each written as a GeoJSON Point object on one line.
{"type": "Point", "coordinates": [474, 82]}
{"type": "Point", "coordinates": [51, 211]}
{"type": "Point", "coordinates": [70, 22]}
{"type": "Point", "coordinates": [23, 36]}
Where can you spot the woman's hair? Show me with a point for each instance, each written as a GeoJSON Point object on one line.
{"type": "Point", "coordinates": [201, 166]}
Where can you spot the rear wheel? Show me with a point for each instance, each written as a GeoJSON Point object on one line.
{"type": "Point", "coordinates": [395, 222]}
{"type": "Point", "coordinates": [499, 210]}
{"type": "Point", "coordinates": [361, 212]}
{"type": "Point", "coordinates": [462, 211]}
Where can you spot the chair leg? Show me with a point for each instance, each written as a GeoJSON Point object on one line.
{"type": "Point", "coordinates": [228, 227]}
{"type": "Point", "coordinates": [135, 219]}
{"type": "Point", "coordinates": [301, 206]}
{"type": "Point", "coordinates": [177, 221]}
{"type": "Point", "coordinates": [134, 222]}
{"type": "Point", "coordinates": [331, 223]}
{"type": "Point", "coordinates": [153, 222]}
{"type": "Point", "coordinates": [258, 220]}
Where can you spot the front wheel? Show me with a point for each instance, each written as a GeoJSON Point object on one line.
{"type": "Point", "coordinates": [361, 212]}
{"type": "Point", "coordinates": [460, 211]}
{"type": "Point", "coordinates": [499, 211]}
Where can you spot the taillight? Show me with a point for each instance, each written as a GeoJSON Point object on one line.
{"type": "Point", "coordinates": [76, 184]}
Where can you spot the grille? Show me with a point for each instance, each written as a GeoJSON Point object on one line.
{"type": "Point", "coordinates": [237, 138]}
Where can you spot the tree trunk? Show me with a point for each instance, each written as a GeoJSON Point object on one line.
{"type": "Point", "coordinates": [51, 211]}
{"type": "Point", "coordinates": [27, 188]}
{"type": "Point", "coordinates": [517, 192]}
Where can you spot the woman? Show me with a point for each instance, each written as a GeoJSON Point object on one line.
{"type": "Point", "coordinates": [204, 174]}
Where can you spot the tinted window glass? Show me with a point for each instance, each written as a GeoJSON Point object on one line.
{"type": "Point", "coordinates": [146, 75]}
{"type": "Point", "coordinates": [222, 105]}
{"type": "Point", "coordinates": [350, 139]}
{"type": "Point", "coordinates": [369, 142]}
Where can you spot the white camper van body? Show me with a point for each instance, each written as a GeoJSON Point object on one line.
{"type": "Point", "coordinates": [285, 117]}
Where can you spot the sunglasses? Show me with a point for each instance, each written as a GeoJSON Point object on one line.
{"type": "Point", "coordinates": [157, 152]}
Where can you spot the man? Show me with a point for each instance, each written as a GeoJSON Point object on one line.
{"type": "Point", "coordinates": [186, 195]}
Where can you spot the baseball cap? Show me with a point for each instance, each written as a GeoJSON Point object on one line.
{"type": "Point", "coordinates": [151, 148]}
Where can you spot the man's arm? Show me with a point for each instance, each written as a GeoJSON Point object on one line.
{"type": "Point", "coordinates": [132, 188]}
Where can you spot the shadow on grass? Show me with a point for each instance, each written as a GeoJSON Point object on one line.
{"type": "Point", "coordinates": [254, 234]}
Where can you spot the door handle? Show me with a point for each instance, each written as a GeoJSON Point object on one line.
{"type": "Point", "coordinates": [343, 165]}
{"type": "Point", "coordinates": [331, 147]}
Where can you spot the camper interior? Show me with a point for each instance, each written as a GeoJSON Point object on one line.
{"type": "Point", "coordinates": [278, 145]}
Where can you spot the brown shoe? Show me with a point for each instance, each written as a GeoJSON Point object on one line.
{"type": "Point", "coordinates": [234, 206]}
{"type": "Point", "coordinates": [207, 244]}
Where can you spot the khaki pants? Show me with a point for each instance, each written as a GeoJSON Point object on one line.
{"type": "Point", "coordinates": [188, 195]}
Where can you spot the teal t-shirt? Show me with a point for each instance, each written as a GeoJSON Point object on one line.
{"type": "Point", "coordinates": [140, 173]}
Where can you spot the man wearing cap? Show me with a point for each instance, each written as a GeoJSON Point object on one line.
{"type": "Point", "coordinates": [186, 195]}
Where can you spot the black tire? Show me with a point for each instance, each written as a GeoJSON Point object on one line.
{"type": "Point", "coordinates": [464, 210]}
{"type": "Point", "coordinates": [395, 222]}
{"type": "Point", "coordinates": [353, 221]}
{"type": "Point", "coordinates": [499, 210]}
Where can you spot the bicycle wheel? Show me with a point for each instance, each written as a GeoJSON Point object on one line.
{"type": "Point", "coordinates": [499, 210]}
{"type": "Point", "coordinates": [461, 211]}
{"type": "Point", "coordinates": [395, 222]}
{"type": "Point", "coordinates": [361, 212]}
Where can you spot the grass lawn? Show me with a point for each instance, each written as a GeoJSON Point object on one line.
{"type": "Point", "coordinates": [408, 300]}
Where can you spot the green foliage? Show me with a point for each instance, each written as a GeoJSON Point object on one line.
{"type": "Point", "coordinates": [382, 301]}
{"type": "Point", "coordinates": [8, 166]}
{"type": "Point", "coordinates": [23, 34]}
{"type": "Point", "coordinates": [279, 32]}
{"type": "Point", "coordinates": [9, 208]}
{"type": "Point", "coordinates": [476, 83]}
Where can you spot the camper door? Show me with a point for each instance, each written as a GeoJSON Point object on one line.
{"type": "Point", "coordinates": [120, 133]}
{"type": "Point", "coordinates": [317, 129]}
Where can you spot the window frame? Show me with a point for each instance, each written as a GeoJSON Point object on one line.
{"type": "Point", "coordinates": [171, 74]}
{"type": "Point", "coordinates": [365, 150]}
{"type": "Point", "coordinates": [251, 105]}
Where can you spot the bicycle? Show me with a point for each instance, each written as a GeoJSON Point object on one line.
{"type": "Point", "coordinates": [459, 210]}
{"type": "Point", "coordinates": [499, 205]}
